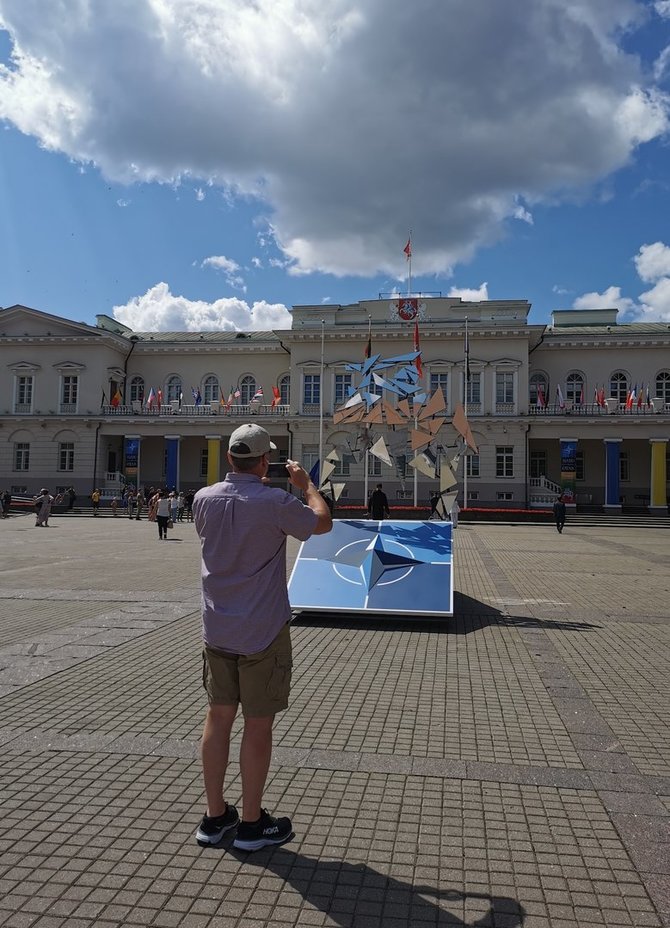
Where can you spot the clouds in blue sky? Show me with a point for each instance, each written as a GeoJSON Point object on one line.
{"type": "Point", "coordinates": [160, 310]}
{"type": "Point", "coordinates": [350, 121]}
{"type": "Point", "coordinates": [652, 263]}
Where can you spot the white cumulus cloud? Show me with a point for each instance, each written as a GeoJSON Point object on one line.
{"type": "Point", "coordinates": [609, 299]}
{"type": "Point", "coordinates": [159, 310]}
{"type": "Point", "coordinates": [471, 295]}
{"type": "Point", "coordinates": [350, 121]}
{"type": "Point", "coordinates": [229, 268]}
{"type": "Point", "coordinates": [653, 262]}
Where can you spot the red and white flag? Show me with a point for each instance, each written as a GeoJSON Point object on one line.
{"type": "Point", "coordinates": [559, 396]}
{"type": "Point", "coordinates": [408, 248]}
{"type": "Point", "coordinates": [258, 395]}
{"type": "Point", "coordinates": [540, 402]}
{"type": "Point", "coordinates": [417, 347]}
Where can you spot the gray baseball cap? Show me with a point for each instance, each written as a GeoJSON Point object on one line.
{"type": "Point", "coordinates": [250, 441]}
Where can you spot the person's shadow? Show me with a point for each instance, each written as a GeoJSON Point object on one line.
{"type": "Point", "coordinates": [355, 894]}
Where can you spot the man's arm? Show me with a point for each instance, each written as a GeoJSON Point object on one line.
{"type": "Point", "coordinates": [300, 479]}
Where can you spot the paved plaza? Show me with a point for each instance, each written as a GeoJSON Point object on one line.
{"type": "Point", "coordinates": [507, 767]}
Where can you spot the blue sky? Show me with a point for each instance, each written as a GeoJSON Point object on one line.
{"type": "Point", "coordinates": [216, 180]}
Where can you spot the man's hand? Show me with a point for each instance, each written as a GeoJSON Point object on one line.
{"type": "Point", "coordinates": [301, 481]}
{"type": "Point", "coordinates": [297, 475]}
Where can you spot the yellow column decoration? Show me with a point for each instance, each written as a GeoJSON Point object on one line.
{"type": "Point", "coordinates": [213, 458]}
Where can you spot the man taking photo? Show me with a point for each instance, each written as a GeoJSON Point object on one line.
{"type": "Point", "coordinates": [243, 525]}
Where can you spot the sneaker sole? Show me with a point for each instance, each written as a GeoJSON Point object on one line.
{"type": "Point", "coordinates": [207, 840]}
{"type": "Point", "coordinates": [261, 843]}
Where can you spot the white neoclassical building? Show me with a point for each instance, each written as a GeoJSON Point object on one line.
{"type": "Point", "coordinates": [583, 403]}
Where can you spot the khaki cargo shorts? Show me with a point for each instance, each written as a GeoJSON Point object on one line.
{"type": "Point", "coordinates": [260, 683]}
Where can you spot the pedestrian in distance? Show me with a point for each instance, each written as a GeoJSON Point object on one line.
{"type": "Point", "coordinates": [163, 514]}
{"type": "Point", "coordinates": [243, 524]}
{"type": "Point", "coordinates": [114, 505]}
{"type": "Point", "coordinates": [559, 514]}
{"type": "Point", "coordinates": [378, 504]}
{"type": "Point", "coordinates": [139, 505]}
{"type": "Point", "coordinates": [71, 495]}
{"type": "Point", "coordinates": [453, 515]}
{"type": "Point", "coordinates": [95, 499]}
{"type": "Point", "coordinates": [43, 504]}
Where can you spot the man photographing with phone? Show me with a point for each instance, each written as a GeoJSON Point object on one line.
{"type": "Point", "coordinates": [243, 525]}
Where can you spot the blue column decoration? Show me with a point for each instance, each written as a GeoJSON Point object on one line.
{"type": "Point", "coordinates": [612, 472]}
{"type": "Point", "coordinates": [172, 467]}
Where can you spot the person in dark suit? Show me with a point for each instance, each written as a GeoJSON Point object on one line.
{"type": "Point", "coordinates": [378, 504]}
{"type": "Point", "coordinates": [559, 513]}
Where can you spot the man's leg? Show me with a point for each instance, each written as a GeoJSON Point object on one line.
{"type": "Point", "coordinates": [255, 754]}
{"type": "Point", "coordinates": [214, 754]}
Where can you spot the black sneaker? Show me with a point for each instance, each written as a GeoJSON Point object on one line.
{"type": "Point", "coordinates": [213, 828]}
{"type": "Point", "coordinates": [252, 836]}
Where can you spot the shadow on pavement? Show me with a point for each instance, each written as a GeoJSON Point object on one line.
{"type": "Point", "coordinates": [469, 616]}
{"type": "Point", "coordinates": [355, 894]}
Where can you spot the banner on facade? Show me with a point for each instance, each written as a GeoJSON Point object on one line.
{"type": "Point", "coordinates": [568, 469]}
{"type": "Point", "coordinates": [131, 457]}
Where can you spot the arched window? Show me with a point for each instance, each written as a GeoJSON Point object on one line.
{"type": "Point", "coordinates": [173, 389]}
{"type": "Point", "coordinates": [247, 389]}
{"type": "Point", "coordinates": [574, 388]}
{"type": "Point", "coordinates": [285, 390]}
{"type": "Point", "coordinates": [137, 390]}
{"type": "Point", "coordinates": [210, 390]}
{"type": "Point", "coordinates": [619, 386]}
{"type": "Point", "coordinates": [538, 389]}
{"type": "Point", "coordinates": [663, 386]}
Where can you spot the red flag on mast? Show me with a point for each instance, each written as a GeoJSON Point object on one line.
{"type": "Point", "coordinates": [408, 248]}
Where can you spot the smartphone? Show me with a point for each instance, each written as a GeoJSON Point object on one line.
{"type": "Point", "coordinates": [277, 470]}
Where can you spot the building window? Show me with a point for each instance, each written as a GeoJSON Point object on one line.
{"type": "Point", "coordinates": [285, 390]}
{"type": "Point", "coordinates": [137, 390]}
{"type": "Point", "coordinates": [66, 455]}
{"type": "Point", "coordinates": [619, 386]}
{"type": "Point", "coordinates": [538, 464]}
{"type": "Point", "coordinates": [663, 386]}
{"type": "Point", "coordinates": [440, 381]}
{"type": "Point", "coordinates": [474, 495]}
{"type": "Point", "coordinates": [504, 461]}
{"type": "Point", "coordinates": [247, 389]}
{"type": "Point", "coordinates": [624, 466]}
{"type": "Point", "coordinates": [210, 390]}
{"type": "Point", "coordinates": [342, 385]}
{"type": "Point", "coordinates": [574, 389]}
{"type": "Point", "coordinates": [173, 391]}
{"type": "Point", "coordinates": [538, 390]}
{"type": "Point", "coordinates": [474, 389]}
{"type": "Point", "coordinates": [24, 393]}
{"type": "Point", "coordinates": [504, 387]}
{"type": "Point", "coordinates": [472, 465]}
{"type": "Point", "coordinates": [374, 466]}
{"type": "Point", "coordinates": [69, 389]}
{"type": "Point", "coordinates": [311, 395]}
{"type": "Point", "coordinates": [504, 496]}
{"type": "Point", "coordinates": [204, 461]}
{"type": "Point", "coordinates": [22, 455]}
{"type": "Point", "coordinates": [579, 466]}
{"type": "Point", "coordinates": [310, 455]}
{"type": "Point", "coordinates": [18, 489]}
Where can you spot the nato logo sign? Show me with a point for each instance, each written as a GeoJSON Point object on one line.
{"type": "Point", "coordinates": [397, 567]}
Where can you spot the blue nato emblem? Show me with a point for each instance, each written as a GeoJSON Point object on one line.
{"type": "Point", "coordinates": [368, 566]}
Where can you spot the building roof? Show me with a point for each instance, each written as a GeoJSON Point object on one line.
{"type": "Point", "coordinates": [629, 328]}
{"type": "Point", "coordinates": [217, 337]}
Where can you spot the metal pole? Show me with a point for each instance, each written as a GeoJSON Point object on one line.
{"type": "Point", "coordinates": [321, 385]}
{"type": "Point", "coordinates": [366, 468]}
{"type": "Point", "coordinates": [466, 365]}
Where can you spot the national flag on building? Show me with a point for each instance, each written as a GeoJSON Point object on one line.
{"type": "Point", "coordinates": [540, 402]}
{"type": "Point", "coordinates": [630, 399]}
{"type": "Point", "coordinates": [181, 398]}
{"type": "Point", "coordinates": [116, 399]}
{"type": "Point", "coordinates": [151, 398]}
{"type": "Point", "coordinates": [408, 248]}
{"type": "Point", "coordinates": [417, 347]}
{"type": "Point", "coordinates": [601, 398]}
{"type": "Point", "coordinates": [238, 393]}
{"type": "Point", "coordinates": [258, 395]}
{"type": "Point", "coordinates": [559, 397]}
{"type": "Point", "coordinates": [648, 395]}
{"type": "Point", "coordinates": [103, 400]}
{"type": "Point", "coordinates": [222, 401]}
{"type": "Point", "coordinates": [368, 346]}
{"type": "Point", "coordinates": [197, 398]}
{"type": "Point", "coordinates": [159, 398]}
{"type": "Point", "coordinates": [276, 396]}
{"type": "Point", "coordinates": [640, 396]}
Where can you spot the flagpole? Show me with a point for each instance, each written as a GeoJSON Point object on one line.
{"type": "Point", "coordinates": [409, 260]}
{"type": "Point", "coordinates": [321, 385]}
{"type": "Point", "coordinates": [366, 466]}
{"type": "Point", "coordinates": [465, 410]}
